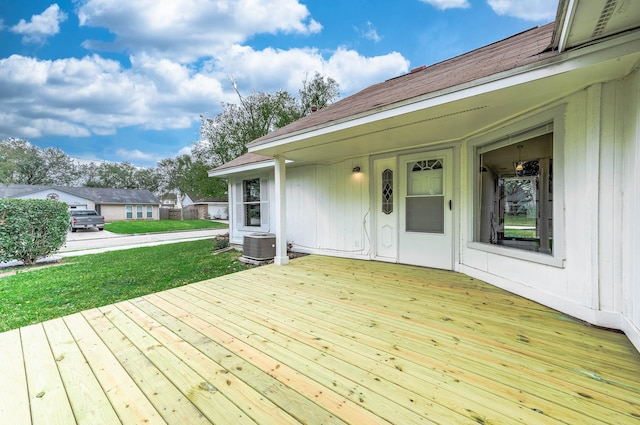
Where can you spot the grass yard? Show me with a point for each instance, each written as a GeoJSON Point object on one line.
{"type": "Point", "coordinates": [152, 226]}
{"type": "Point", "coordinates": [89, 281]}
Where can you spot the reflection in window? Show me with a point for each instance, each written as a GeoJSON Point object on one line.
{"type": "Point", "coordinates": [516, 194]}
{"type": "Point", "coordinates": [251, 201]}
{"type": "Point", "coordinates": [387, 191]}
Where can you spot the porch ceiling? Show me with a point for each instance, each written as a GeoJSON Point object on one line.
{"type": "Point", "coordinates": [457, 114]}
{"type": "Point", "coordinates": [323, 340]}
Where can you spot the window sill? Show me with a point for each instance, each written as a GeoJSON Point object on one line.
{"type": "Point", "coordinates": [532, 257]}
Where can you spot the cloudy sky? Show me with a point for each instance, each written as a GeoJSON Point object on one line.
{"type": "Point", "coordinates": [127, 80]}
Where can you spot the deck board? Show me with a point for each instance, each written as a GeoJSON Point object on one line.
{"type": "Point", "coordinates": [14, 402]}
{"type": "Point", "coordinates": [321, 341]}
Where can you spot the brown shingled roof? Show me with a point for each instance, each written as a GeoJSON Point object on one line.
{"type": "Point", "coordinates": [519, 50]}
{"type": "Point", "coordinates": [247, 158]}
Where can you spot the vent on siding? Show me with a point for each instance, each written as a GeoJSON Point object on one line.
{"type": "Point", "coordinates": [259, 246]}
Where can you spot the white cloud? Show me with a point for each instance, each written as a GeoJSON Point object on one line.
{"type": "Point", "coordinates": [41, 26]}
{"type": "Point", "coordinates": [530, 10]}
{"type": "Point", "coordinates": [94, 95]}
{"type": "Point", "coordinates": [370, 33]}
{"type": "Point", "coordinates": [448, 4]}
{"type": "Point", "coordinates": [136, 155]}
{"type": "Point", "coordinates": [272, 69]}
{"type": "Point", "coordinates": [187, 30]}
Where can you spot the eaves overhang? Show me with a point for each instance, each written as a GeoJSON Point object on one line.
{"type": "Point", "coordinates": [225, 172]}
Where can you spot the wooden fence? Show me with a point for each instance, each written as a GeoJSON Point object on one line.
{"type": "Point", "coordinates": [178, 214]}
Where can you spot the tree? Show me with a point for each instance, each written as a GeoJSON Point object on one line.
{"type": "Point", "coordinates": [226, 136]}
{"type": "Point", "coordinates": [147, 178]}
{"type": "Point", "coordinates": [23, 163]}
{"type": "Point", "coordinates": [317, 93]}
{"type": "Point", "coordinates": [114, 175]}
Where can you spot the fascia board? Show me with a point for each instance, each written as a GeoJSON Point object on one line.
{"type": "Point", "coordinates": [242, 169]}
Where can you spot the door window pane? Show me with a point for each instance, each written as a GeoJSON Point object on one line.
{"type": "Point", "coordinates": [387, 191]}
{"type": "Point", "coordinates": [425, 178]}
{"type": "Point", "coordinates": [425, 196]}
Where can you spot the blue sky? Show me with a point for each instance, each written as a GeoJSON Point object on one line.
{"type": "Point", "coordinates": [124, 80]}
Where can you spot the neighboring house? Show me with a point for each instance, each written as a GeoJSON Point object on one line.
{"type": "Point", "coordinates": [113, 204]}
{"type": "Point", "coordinates": [208, 208]}
{"type": "Point", "coordinates": [410, 170]}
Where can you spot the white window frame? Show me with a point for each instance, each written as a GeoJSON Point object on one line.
{"type": "Point", "coordinates": [128, 212]}
{"type": "Point", "coordinates": [139, 213]}
{"type": "Point", "coordinates": [239, 216]}
{"type": "Point", "coordinates": [553, 120]}
{"type": "Point", "coordinates": [149, 211]}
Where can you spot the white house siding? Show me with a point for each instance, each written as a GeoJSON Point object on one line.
{"type": "Point", "coordinates": [630, 234]}
{"type": "Point", "coordinates": [328, 209]}
{"type": "Point", "coordinates": [599, 281]}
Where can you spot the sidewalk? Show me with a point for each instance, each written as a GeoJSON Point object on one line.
{"type": "Point", "coordinates": [94, 242]}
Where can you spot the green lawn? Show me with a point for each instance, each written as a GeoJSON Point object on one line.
{"type": "Point", "coordinates": [89, 281]}
{"type": "Point", "coordinates": [151, 226]}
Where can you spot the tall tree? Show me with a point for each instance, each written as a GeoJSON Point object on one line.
{"type": "Point", "coordinates": [225, 137]}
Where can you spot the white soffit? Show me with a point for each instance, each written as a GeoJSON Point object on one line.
{"type": "Point", "coordinates": [590, 20]}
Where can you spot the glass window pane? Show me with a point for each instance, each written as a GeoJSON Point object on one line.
{"type": "Point", "coordinates": [252, 215]}
{"type": "Point", "coordinates": [251, 189]}
{"type": "Point", "coordinates": [515, 200]}
{"type": "Point", "coordinates": [422, 180]}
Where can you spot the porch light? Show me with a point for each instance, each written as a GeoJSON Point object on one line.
{"type": "Point", "coordinates": [356, 169]}
{"type": "Point", "coordinates": [519, 164]}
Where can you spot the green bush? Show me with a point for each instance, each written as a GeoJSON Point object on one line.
{"type": "Point", "coordinates": [31, 228]}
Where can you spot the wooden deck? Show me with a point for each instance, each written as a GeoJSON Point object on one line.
{"type": "Point", "coordinates": [320, 341]}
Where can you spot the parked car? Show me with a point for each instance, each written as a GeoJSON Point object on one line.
{"type": "Point", "coordinates": [85, 219]}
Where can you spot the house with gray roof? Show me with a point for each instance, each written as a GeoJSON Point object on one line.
{"type": "Point", "coordinates": [418, 169]}
{"type": "Point", "coordinates": [113, 204]}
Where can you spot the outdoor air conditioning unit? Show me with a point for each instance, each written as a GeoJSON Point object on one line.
{"type": "Point", "coordinates": [259, 246]}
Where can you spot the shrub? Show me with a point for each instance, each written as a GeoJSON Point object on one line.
{"type": "Point", "coordinates": [31, 228]}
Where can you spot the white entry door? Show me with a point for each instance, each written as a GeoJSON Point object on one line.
{"type": "Point", "coordinates": [425, 225]}
{"type": "Point", "coordinates": [386, 207]}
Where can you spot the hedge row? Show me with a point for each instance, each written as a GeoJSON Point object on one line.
{"type": "Point", "coordinates": [31, 228]}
